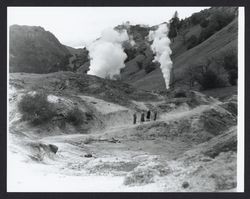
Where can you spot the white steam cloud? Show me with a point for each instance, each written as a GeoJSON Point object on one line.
{"type": "Point", "coordinates": [161, 46]}
{"type": "Point", "coordinates": [107, 55]}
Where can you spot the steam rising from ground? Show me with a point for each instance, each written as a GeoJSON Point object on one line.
{"type": "Point", "coordinates": [107, 55]}
{"type": "Point", "coordinates": [161, 47]}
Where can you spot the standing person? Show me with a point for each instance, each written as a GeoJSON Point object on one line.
{"type": "Point", "coordinates": [134, 117]}
{"type": "Point", "coordinates": [142, 117]}
{"type": "Point", "coordinates": [155, 115]}
{"type": "Point", "coordinates": [148, 115]}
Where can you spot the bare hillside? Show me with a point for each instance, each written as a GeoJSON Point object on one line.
{"type": "Point", "coordinates": [190, 147]}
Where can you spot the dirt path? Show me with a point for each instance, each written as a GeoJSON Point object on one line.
{"type": "Point", "coordinates": [175, 115]}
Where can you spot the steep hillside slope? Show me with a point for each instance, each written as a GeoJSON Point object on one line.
{"type": "Point", "coordinates": [35, 50]}
{"type": "Point", "coordinates": [189, 48]}
{"type": "Point", "coordinates": [219, 42]}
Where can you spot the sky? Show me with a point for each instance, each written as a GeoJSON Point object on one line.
{"type": "Point", "coordinates": [77, 26]}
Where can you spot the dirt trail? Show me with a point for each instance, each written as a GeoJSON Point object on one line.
{"type": "Point", "coordinates": [116, 129]}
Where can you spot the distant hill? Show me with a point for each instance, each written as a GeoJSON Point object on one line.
{"type": "Point", "coordinates": [35, 50]}
{"type": "Point", "coordinates": [80, 59]}
{"type": "Point", "coordinates": [74, 51]}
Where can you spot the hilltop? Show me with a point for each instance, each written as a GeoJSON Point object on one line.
{"type": "Point", "coordinates": [35, 50]}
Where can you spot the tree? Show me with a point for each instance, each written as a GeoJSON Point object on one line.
{"type": "Point", "coordinates": [174, 24]}
{"type": "Point", "coordinates": [172, 33]}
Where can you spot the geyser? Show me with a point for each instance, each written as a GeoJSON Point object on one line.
{"type": "Point", "coordinates": [106, 54]}
{"type": "Point", "coordinates": [161, 47]}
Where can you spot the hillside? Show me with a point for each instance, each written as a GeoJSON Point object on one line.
{"type": "Point", "coordinates": [219, 42]}
{"type": "Point", "coordinates": [35, 50]}
{"type": "Point", "coordinates": [142, 73]}
{"type": "Point", "coordinates": [190, 147]}
{"type": "Point", "coordinates": [79, 62]}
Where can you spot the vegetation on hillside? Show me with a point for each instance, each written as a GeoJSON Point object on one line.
{"type": "Point", "coordinates": [210, 20]}
{"type": "Point", "coordinates": [75, 117]}
{"type": "Point", "coordinates": [36, 109]}
{"type": "Point", "coordinates": [215, 72]}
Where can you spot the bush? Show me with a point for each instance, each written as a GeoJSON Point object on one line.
{"type": "Point", "coordinates": [36, 109]}
{"type": "Point", "coordinates": [204, 23]}
{"type": "Point", "coordinates": [180, 94]}
{"type": "Point", "coordinates": [208, 75]}
{"type": "Point", "coordinates": [207, 32]}
{"type": "Point", "coordinates": [230, 63]}
{"type": "Point", "coordinates": [222, 19]}
{"type": "Point", "coordinates": [150, 67]}
{"type": "Point", "coordinates": [210, 80]}
{"type": "Point", "coordinates": [233, 76]}
{"type": "Point", "coordinates": [139, 64]}
{"type": "Point", "coordinates": [75, 117]}
{"type": "Point", "coordinates": [192, 42]}
{"type": "Point", "coordinates": [230, 60]}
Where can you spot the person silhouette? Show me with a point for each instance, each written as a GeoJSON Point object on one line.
{"type": "Point", "coordinates": [134, 117]}
{"type": "Point", "coordinates": [155, 116]}
{"type": "Point", "coordinates": [142, 117]}
{"type": "Point", "coordinates": [148, 115]}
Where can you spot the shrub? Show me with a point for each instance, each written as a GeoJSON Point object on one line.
{"type": "Point", "coordinates": [192, 42]}
{"type": "Point", "coordinates": [222, 19]}
{"type": "Point", "coordinates": [207, 32]}
{"type": "Point", "coordinates": [208, 75]}
{"type": "Point", "coordinates": [229, 61]}
{"type": "Point", "coordinates": [180, 94]}
{"type": "Point", "coordinates": [75, 117]}
{"type": "Point", "coordinates": [210, 80]}
{"type": "Point", "coordinates": [139, 64]}
{"type": "Point", "coordinates": [36, 109]}
{"type": "Point", "coordinates": [233, 76]}
{"type": "Point", "coordinates": [150, 67]}
{"type": "Point", "coordinates": [204, 23]}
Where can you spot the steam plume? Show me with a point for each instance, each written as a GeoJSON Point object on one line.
{"type": "Point", "coordinates": [161, 47]}
{"type": "Point", "coordinates": [107, 55]}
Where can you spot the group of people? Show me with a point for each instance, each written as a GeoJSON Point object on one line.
{"type": "Point", "coordinates": [143, 119]}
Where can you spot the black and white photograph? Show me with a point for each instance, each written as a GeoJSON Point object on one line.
{"type": "Point", "coordinates": [125, 99]}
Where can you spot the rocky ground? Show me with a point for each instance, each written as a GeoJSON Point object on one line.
{"type": "Point", "coordinates": [192, 146]}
